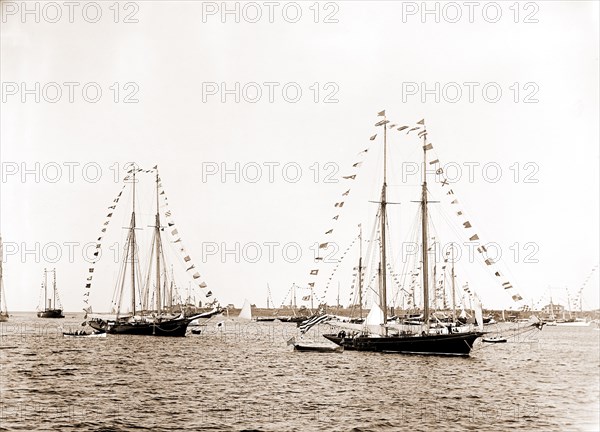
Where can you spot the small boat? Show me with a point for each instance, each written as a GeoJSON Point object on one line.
{"type": "Point", "coordinates": [494, 339]}
{"type": "Point", "coordinates": [83, 333]}
{"type": "Point", "coordinates": [574, 322]}
{"type": "Point", "coordinates": [267, 319]}
{"type": "Point", "coordinates": [314, 346]}
{"type": "Point", "coordinates": [317, 347]}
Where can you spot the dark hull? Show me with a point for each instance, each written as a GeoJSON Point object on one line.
{"type": "Point", "coordinates": [486, 320]}
{"type": "Point", "coordinates": [318, 348]}
{"type": "Point", "coordinates": [495, 340]}
{"type": "Point", "coordinates": [172, 328]}
{"type": "Point", "coordinates": [456, 344]}
{"type": "Point", "coordinates": [296, 319]}
{"type": "Point", "coordinates": [51, 313]}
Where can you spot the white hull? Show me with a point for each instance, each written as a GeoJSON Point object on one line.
{"type": "Point", "coordinates": [574, 324]}
{"type": "Point", "coordinates": [93, 335]}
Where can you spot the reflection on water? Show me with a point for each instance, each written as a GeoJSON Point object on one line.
{"type": "Point", "coordinates": [244, 376]}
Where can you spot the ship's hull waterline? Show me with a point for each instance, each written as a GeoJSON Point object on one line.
{"type": "Point", "coordinates": [171, 328]}
{"type": "Point", "coordinates": [457, 344]}
{"type": "Point", "coordinates": [51, 313]}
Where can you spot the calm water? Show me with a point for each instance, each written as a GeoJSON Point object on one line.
{"type": "Point", "coordinates": [245, 377]}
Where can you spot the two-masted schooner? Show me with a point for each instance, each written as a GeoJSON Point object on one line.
{"type": "Point", "coordinates": [3, 311]}
{"type": "Point", "coordinates": [152, 311]}
{"type": "Point", "coordinates": [51, 306]}
{"type": "Point", "coordinates": [424, 335]}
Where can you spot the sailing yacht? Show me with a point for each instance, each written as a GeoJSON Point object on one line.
{"type": "Point", "coordinates": [422, 336]}
{"type": "Point", "coordinates": [246, 311]}
{"type": "Point", "coordinates": [51, 306]}
{"type": "Point", "coordinates": [3, 312]}
{"type": "Point", "coordinates": [298, 314]}
{"type": "Point", "coordinates": [154, 313]}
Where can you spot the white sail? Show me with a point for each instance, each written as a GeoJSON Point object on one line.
{"type": "Point", "coordinates": [478, 313]}
{"type": "Point", "coordinates": [375, 316]}
{"type": "Point", "coordinates": [374, 320]}
{"type": "Point", "coordinates": [246, 312]}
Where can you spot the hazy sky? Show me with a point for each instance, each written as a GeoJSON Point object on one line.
{"type": "Point", "coordinates": [359, 58]}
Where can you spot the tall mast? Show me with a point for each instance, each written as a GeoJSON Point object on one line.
{"type": "Point", "coordinates": [171, 290]}
{"type": "Point", "coordinates": [453, 294]}
{"type": "Point", "coordinates": [45, 289]}
{"type": "Point", "coordinates": [157, 228]}
{"type": "Point", "coordinates": [435, 290]}
{"type": "Point", "coordinates": [424, 235]}
{"type": "Point", "coordinates": [383, 267]}
{"type": "Point", "coordinates": [1, 281]}
{"type": "Point", "coordinates": [268, 293]}
{"type": "Point", "coordinates": [54, 287]}
{"type": "Point", "coordinates": [132, 246]}
{"type": "Point", "coordinates": [360, 271]}
{"type": "Point", "coordinates": [444, 299]}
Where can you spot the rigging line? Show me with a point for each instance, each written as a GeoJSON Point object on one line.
{"type": "Point", "coordinates": [286, 296]}
{"type": "Point", "coordinates": [373, 250]}
{"type": "Point", "coordinates": [171, 245]}
{"type": "Point", "coordinates": [366, 261]}
{"type": "Point", "coordinates": [435, 246]}
{"type": "Point", "coordinates": [146, 286]}
{"type": "Point", "coordinates": [505, 268]}
{"type": "Point", "coordinates": [176, 259]}
{"type": "Point", "coordinates": [415, 270]}
{"type": "Point", "coordinates": [331, 276]}
{"type": "Point", "coordinates": [413, 228]}
{"type": "Point", "coordinates": [480, 262]}
{"type": "Point", "coordinates": [459, 238]}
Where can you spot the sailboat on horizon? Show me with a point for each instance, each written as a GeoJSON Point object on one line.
{"type": "Point", "coordinates": [152, 309]}
{"type": "Point", "coordinates": [51, 307]}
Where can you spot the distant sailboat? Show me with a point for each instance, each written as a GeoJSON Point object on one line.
{"type": "Point", "coordinates": [153, 314]}
{"type": "Point", "coordinates": [246, 312]}
{"type": "Point", "coordinates": [298, 315]}
{"type": "Point", "coordinates": [3, 311]}
{"type": "Point", "coordinates": [51, 306]}
{"type": "Point", "coordinates": [551, 321]}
